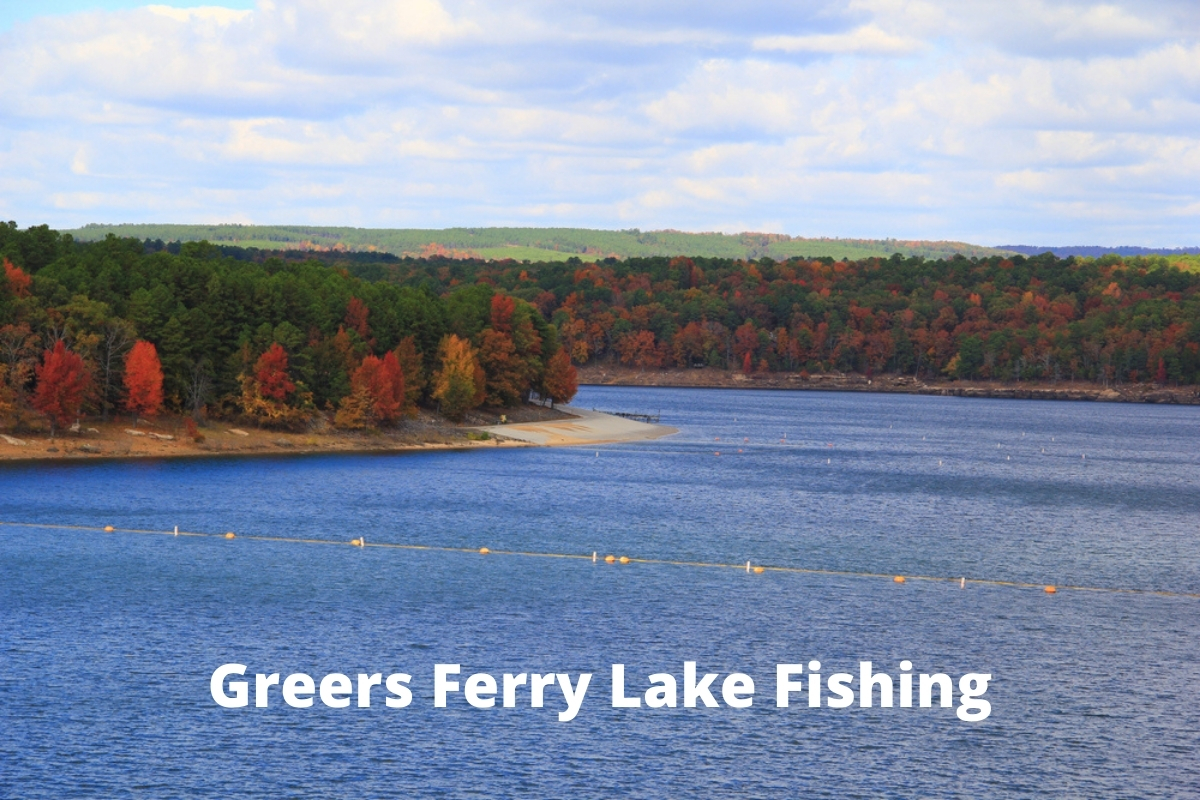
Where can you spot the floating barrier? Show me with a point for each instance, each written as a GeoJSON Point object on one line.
{"type": "Point", "coordinates": [610, 559]}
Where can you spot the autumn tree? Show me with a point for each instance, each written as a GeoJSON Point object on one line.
{"type": "Point", "coordinates": [505, 374]}
{"type": "Point", "coordinates": [19, 353]}
{"type": "Point", "coordinates": [271, 373]}
{"type": "Point", "coordinates": [561, 381]}
{"type": "Point", "coordinates": [267, 392]}
{"type": "Point", "coordinates": [62, 384]}
{"type": "Point", "coordinates": [18, 280]}
{"type": "Point", "coordinates": [413, 370]}
{"type": "Point", "coordinates": [377, 393]}
{"type": "Point", "coordinates": [143, 381]}
{"type": "Point", "coordinates": [356, 318]}
{"type": "Point", "coordinates": [640, 349]}
{"type": "Point", "coordinates": [459, 384]}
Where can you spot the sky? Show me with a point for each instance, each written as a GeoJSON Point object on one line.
{"type": "Point", "coordinates": [1016, 122]}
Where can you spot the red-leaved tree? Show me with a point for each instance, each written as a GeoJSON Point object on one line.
{"type": "Point", "coordinates": [271, 372]}
{"type": "Point", "coordinates": [143, 380]}
{"type": "Point", "coordinates": [62, 383]}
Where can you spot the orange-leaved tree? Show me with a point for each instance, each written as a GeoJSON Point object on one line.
{"type": "Point", "coordinates": [18, 281]}
{"type": "Point", "coordinates": [62, 384]}
{"type": "Point", "coordinates": [377, 393]}
{"type": "Point", "coordinates": [561, 380]}
{"type": "Point", "coordinates": [413, 371]}
{"type": "Point", "coordinates": [356, 318]}
{"type": "Point", "coordinates": [143, 381]}
{"type": "Point", "coordinates": [459, 384]}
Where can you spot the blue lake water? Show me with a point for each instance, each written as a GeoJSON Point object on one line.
{"type": "Point", "coordinates": [107, 641]}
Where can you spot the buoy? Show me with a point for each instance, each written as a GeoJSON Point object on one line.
{"type": "Point", "coordinates": [1051, 590]}
{"type": "Point", "coordinates": [745, 438]}
{"type": "Point", "coordinates": [829, 461]}
{"type": "Point", "coordinates": [176, 530]}
{"type": "Point", "coordinates": [609, 559]}
{"type": "Point", "coordinates": [898, 579]}
{"type": "Point", "coordinates": [716, 438]}
{"type": "Point", "coordinates": [758, 570]}
{"type": "Point", "coordinates": [483, 551]}
{"type": "Point", "coordinates": [597, 454]}
{"type": "Point", "coordinates": [716, 452]}
{"type": "Point", "coordinates": [739, 449]}
{"type": "Point", "coordinates": [230, 535]}
{"type": "Point", "coordinates": [356, 542]}
{"type": "Point", "coordinates": [624, 559]}
{"type": "Point", "coordinates": [593, 556]}
{"type": "Point", "coordinates": [109, 528]}
{"type": "Point", "coordinates": [747, 567]}
{"type": "Point", "coordinates": [962, 583]}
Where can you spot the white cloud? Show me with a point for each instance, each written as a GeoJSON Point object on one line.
{"type": "Point", "coordinates": [866, 39]}
{"type": "Point", "coordinates": [984, 121]}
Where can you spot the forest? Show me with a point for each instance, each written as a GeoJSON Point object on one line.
{"type": "Point", "coordinates": [364, 339]}
{"type": "Point", "coordinates": [119, 327]}
{"type": "Point", "coordinates": [1106, 320]}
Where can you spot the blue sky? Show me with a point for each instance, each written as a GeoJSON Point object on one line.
{"type": "Point", "coordinates": [20, 10]}
{"type": "Point", "coordinates": [1027, 121]}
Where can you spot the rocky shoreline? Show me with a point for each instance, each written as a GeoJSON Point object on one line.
{"type": "Point", "coordinates": [611, 375]}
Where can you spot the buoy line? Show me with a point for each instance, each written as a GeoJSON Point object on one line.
{"type": "Point", "coordinates": [1049, 589]}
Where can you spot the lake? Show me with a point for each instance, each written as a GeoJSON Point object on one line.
{"type": "Point", "coordinates": [108, 641]}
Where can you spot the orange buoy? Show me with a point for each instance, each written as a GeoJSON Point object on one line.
{"type": "Point", "coordinates": [758, 570]}
{"type": "Point", "coordinates": [483, 551]}
{"type": "Point", "coordinates": [356, 542]}
{"type": "Point", "coordinates": [609, 559]}
{"type": "Point", "coordinates": [898, 579]}
{"type": "Point", "coordinates": [109, 528]}
{"type": "Point", "coordinates": [230, 535]}
{"type": "Point", "coordinates": [624, 559]}
{"type": "Point", "coordinates": [1051, 590]}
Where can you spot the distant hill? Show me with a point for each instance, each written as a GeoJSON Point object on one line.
{"type": "Point", "coordinates": [1093, 251]}
{"type": "Point", "coordinates": [533, 244]}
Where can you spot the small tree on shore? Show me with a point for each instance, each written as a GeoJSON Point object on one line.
{"type": "Point", "coordinates": [459, 384]}
{"type": "Point", "coordinates": [143, 381]}
{"type": "Point", "coordinates": [561, 381]}
{"type": "Point", "coordinates": [62, 384]}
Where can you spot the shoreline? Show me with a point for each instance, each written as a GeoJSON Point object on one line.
{"type": "Point", "coordinates": [164, 438]}
{"type": "Point", "coordinates": [710, 378]}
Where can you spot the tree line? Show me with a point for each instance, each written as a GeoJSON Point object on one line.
{"type": "Point", "coordinates": [1109, 320]}
{"type": "Point", "coordinates": [116, 326]}
{"type": "Point", "coordinates": [365, 339]}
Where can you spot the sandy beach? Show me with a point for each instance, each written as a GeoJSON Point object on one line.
{"type": "Point", "coordinates": [167, 439]}
{"type": "Point", "coordinates": [588, 427]}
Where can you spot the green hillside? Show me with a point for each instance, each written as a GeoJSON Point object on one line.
{"type": "Point", "coordinates": [534, 244]}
